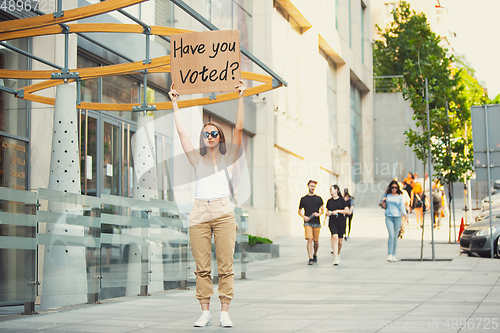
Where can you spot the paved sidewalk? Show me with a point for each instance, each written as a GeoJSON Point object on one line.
{"type": "Point", "coordinates": [364, 294]}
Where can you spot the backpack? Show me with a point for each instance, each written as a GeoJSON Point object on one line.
{"type": "Point", "coordinates": [437, 196]}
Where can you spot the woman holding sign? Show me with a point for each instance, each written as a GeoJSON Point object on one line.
{"type": "Point", "coordinates": [212, 211]}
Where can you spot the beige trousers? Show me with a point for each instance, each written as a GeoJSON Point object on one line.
{"type": "Point", "coordinates": [213, 217]}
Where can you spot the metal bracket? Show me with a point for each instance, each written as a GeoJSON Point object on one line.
{"type": "Point", "coordinates": [146, 30]}
{"type": "Point", "coordinates": [20, 93]}
{"type": "Point", "coordinates": [64, 28]}
{"type": "Point", "coordinates": [144, 108]}
{"type": "Point", "coordinates": [146, 61]}
{"type": "Point", "coordinates": [58, 14]}
{"type": "Point", "coordinates": [276, 83]}
{"type": "Point", "coordinates": [68, 75]}
{"type": "Point", "coordinates": [212, 96]}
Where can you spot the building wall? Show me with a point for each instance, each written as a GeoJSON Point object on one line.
{"type": "Point", "coordinates": [392, 117]}
{"type": "Point", "coordinates": [311, 116]}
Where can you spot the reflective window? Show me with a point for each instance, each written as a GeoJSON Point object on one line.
{"type": "Point", "coordinates": [88, 153]}
{"type": "Point", "coordinates": [120, 89]}
{"type": "Point", "coordinates": [242, 22]}
{"type": "Point", "coordinates": [111, 159]}
{"type": "Point", "coordinates": [89, 89]}
{"type": "Point", "coordinates": [221, 14]}
{"type": "Point", "coordinates": [14, 111]}
{"type": "Point", "coordinates": [356, 131]}
{"type": "Point", "coordinates": [13, 163]}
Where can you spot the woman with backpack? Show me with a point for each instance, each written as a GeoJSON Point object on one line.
{"type": "Point", "coordinates": [418, 203]}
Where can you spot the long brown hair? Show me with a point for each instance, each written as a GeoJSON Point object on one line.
{"type": "Point", "coordinates": [222, 141]}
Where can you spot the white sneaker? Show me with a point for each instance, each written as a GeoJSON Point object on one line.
{"type": "Point", "coordinates": [336, 261]}
{"type": "Point", "coordinates": [204, 320]}
{"type": "Point", "coordinates": [389, 258]}
{"type": "Point", "coordinates": [224, 319]}
{"type": "Point", "coordinates": [394, 259]}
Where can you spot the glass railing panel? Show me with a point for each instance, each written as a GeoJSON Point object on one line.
{"type": "Point", "coordinates": [68, 239]}
{"type": "Point", "coordinates": [170, 230]}
{"type": "Point", "coordinates": [125, 246]}
{"type": "Point", "coordinates": [240, 259]}
{"type": "Point", "coordinates": [68, 198]}
{"type": "Point", "coordinates": [17, 247]}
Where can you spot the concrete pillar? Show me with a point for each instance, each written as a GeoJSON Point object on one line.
{"type": "Point", "coordinates": [64, 279]}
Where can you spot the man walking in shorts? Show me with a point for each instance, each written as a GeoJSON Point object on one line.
{"type": "Point", "coordinates": [310, 209]}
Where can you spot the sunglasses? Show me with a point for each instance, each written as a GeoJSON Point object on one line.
{"type": "Point", "coordinates": [213, 134]}
{"type": "Point", "coordinates": [394, 187]}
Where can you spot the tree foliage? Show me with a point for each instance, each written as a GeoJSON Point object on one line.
{"type": "Point", "coordinates": [410, 48]}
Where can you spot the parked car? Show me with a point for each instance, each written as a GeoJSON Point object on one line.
{"type": "Point", "coordinates": [495, 201]}
{"type": "Point", "coordinates": [476, 238]}
{"type": "Point", "coordinates": [486, 213]}
{"type": "Point", "coordinates": [496, 187]}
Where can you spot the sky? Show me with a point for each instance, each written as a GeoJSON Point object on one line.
{"type": "Point", "coordinates": [476, 23]}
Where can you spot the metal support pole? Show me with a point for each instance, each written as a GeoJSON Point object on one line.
{"type": "Point", "coordinates": [488, 172]}
{"type": "Point", "coordinates": [430, 166]}
{"type": "Point", "coordinates": [148, 59]}
{"type": "Point", "coordinates": [145, 88]}
{"type": "Point", "coordinates": [135, 19]}
{"type": "Point", "coordinates": [8, 90]}
{"type": "Point", "coordinates": [29, 55]}
{"type": "Point", "coordinates": [66, 52]}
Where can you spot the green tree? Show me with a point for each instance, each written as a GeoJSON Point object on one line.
{"type": "Point", "coordinates": [410, 48]}
{"type": "Point", "coordinates": [495, 100]}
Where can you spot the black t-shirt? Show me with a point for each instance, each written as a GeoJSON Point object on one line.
{"type": "Point", "coordinates": [311, 204]}
{"type": "Point", "coordinates": [332, 204]}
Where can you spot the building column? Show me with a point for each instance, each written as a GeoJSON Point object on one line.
{"type": "Point", "coordinates": [64, 279]}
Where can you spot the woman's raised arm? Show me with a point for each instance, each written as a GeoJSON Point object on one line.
{"type": "Point", "coordinates": [238, 128]}
{"type": "Point", "coordinates": [192, 154]}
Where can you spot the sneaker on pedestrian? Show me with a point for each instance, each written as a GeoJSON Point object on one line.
{"type": "Point", "coordinates": [311, 261]}
{"type": "Point", "coordinates": [204, 320]}
{"type": "Point", "coordinates": [394, 259]}
{"type": "Point", "coordinates": [315, 258]}
{"type": "Point", "coordinates": [331, 252]}
{"type": "Point", "coordinates": [224, 319]}
{"type": "Point", "coordinates": [389, 258]}
{"type": "Point", "coordinates": [335, 263]}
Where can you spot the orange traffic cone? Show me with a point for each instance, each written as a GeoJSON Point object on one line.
{"type": "Point", "coordinates": [462, 227]}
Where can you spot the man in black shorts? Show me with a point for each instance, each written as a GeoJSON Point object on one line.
{"type": "Point", "coordinates": [310, 209]}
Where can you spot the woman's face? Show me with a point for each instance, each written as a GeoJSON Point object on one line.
{"type": "Point", "coordinates": [394, 188]}
{"type": "Point", "coordinates": [333, 192]}
{"type": "Point", "coordinates": [211, 139]}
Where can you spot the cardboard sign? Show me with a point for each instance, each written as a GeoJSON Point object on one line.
{"type": "Point", "coordinates": [203, 62]}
